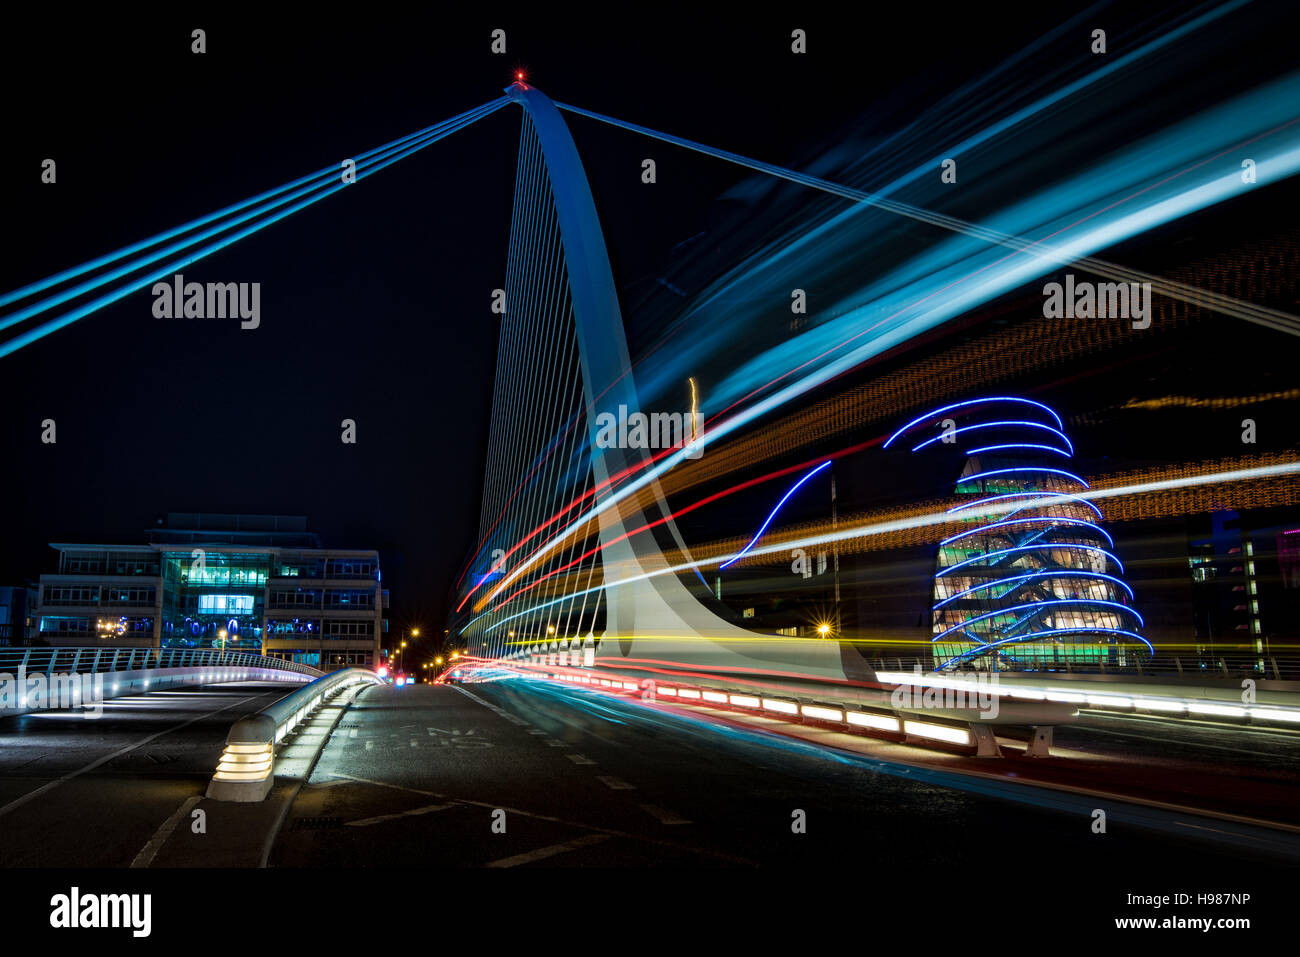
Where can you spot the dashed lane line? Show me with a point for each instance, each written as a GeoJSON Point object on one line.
{"type": "Point", "coordinates": [610, 832]}
{"type": "Point", "coordinates": [428, 809]}
{"type": "Point", "coordinates": [51, 785]}
{"type": "Point", "coordinates": [150, 850]}
{"type": "Point", "coordinates": [544, 852]}
{"type": "Point", "coordinates": [661, 815]}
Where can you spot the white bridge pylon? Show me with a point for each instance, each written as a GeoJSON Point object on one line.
{"type": "Point", "coordinates": [562, 303]}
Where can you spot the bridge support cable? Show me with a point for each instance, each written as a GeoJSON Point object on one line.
{"type": "Point", "coordinates": [555, 561]}
{"type": "Point", "coordinates": [537, 457]}
{"type": "Point", "coordinates": [251, 216]}
{"type": "Point", "coordinates": [725, 426]}
{"type": "Point", "coordinates": [1049, 256]}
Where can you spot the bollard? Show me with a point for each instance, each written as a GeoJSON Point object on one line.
{"type": "Point", "coordinates": [246, 772]}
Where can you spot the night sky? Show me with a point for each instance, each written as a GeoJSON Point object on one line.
{"type": "Point", "coordinates": [375, 301]}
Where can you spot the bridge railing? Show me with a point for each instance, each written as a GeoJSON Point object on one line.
{"type": "Point", "coordinates": [246, 770]}
{"type": "Point", "coordinates": [1225, 665]}
{"type": "Point", "coordinates": [95, 660]}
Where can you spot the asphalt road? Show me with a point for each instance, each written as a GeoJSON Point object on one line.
{"type": "Point", "coordinates": [78, 792]}
{"type": "Point", "coordinates": [515, 774]}
{"type": "Point", "coordinates": [418, 776]}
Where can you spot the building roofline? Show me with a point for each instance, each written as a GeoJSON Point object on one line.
{"type": "Point", "coordinates": [234, 546]}
{"type": "Point", "coordinates": [126, 548]}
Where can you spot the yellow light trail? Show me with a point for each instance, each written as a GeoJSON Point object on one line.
{"type": "Point", "coordinates": [1004, 354]}
{"type": "Point", "coordinates": [940, 519]}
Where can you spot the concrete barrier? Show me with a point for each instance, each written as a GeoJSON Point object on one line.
{"type": "Point", "coordinates": [246, 770]}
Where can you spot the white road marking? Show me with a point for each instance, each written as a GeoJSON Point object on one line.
{"type": "Point", "coordinates": [151, 849]}
{"type": "Point", "coordinates": [662, 816]}
{"type": "Point", "coordinates": [51, 785]}
{"type": "Point", "coordinates": [429, 809]}
{"type": "Point", "coordinates": [544, 852]}
{"type": "Point", "coordinates": [615, 784]}
{"type": "Point", "coordinates": [579, 759]}
{"type": "Point", "coordinates": [512, 811]}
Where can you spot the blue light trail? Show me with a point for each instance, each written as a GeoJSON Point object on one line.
{"type": "Point", "coordinates": [762, 528]}
{"type": "Point", "coordinates": [372, 166]}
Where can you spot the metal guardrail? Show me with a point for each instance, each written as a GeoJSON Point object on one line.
{"type": "Point", "coordinates": [858, 710]}
{"type": "Point", "coordinates": [246, 770]}
{"type": "Point", "coordinates": [955, 721]}
{"type": "Point", "coordinates": [94, 660]}
{"type": "Point", "coordinates": [290, 710]}
{"type": "Point", "coordinates": [1227, 665]}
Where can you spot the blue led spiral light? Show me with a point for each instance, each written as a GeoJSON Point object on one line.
{"type": "Point", "coordinates": [1032, 581]}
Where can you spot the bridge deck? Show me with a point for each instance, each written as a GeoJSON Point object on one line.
{"type": "Point", "coordinates": [82, 792]}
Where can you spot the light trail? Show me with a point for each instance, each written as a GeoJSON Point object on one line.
{"type": "Point", "coordinates": [1218, 190]}
{"type": "Point", "coordinates": [329, 172]}
{"type": "Point", "coordinates": [26, 338]}
{"type": "Point", "coordinates": [1240, 475]}
{"type": "Point", "coordinates": [1127, 508]}
{"type": "Point", "coordinates": [768, 521]}
{"type": "Point", "coordinates": [1175, 290]}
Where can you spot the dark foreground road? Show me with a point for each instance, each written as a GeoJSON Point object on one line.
{"type": "Point", "coordinates": [419, 776]}
{"type": "Point", "coordinates": [525, 774]}
{"type": "Point", "coordinates": [80, 792]}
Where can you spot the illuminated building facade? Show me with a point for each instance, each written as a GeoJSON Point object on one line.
{"type": "Point", "coordinates": [1245, 572]}
{"type": "Point", "coordinates": [17, 615]}
{"type": "Point", "coordinates": [259, 583]}
{"type": "Point", "coordinates": [1032, 580]}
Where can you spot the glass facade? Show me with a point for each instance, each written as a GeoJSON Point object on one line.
{"type": "Point", "coordinates": [1028, 579]}
{"type": "Point", "coordinates": [1030, 585]}
{"type": "Point", "coordinates": [213, 598]}
{"type": "Point", "coordinates": [240, 582]}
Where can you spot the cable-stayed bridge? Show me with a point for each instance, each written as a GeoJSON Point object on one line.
{"type": "Point", "coordinates": [582, 595]}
